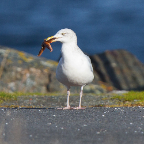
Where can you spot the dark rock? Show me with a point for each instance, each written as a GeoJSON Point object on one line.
{"type": "Point", "coordinates": [120, 69]}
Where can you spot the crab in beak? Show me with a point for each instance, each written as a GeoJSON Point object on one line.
{"type": "Point", "coordinates": [46, 44]}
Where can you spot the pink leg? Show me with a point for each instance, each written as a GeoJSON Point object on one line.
{"type": "Point", "coordinates": [81, 93]}
{"type": "Point", "coordinates": [68, 94]}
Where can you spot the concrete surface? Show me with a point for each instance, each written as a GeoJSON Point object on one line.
{"type": "Point", "coordinates": [90, 126]}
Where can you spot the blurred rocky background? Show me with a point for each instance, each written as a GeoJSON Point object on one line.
{"type": "Point", "coordinates": [114, 70]}
{"type": "Point", "coordinates": [102, 28]}
{"type": "Point", "coordinates": [100, 25]}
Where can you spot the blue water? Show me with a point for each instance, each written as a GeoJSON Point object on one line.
{"type": "Point", "coordinates": [99, 24]}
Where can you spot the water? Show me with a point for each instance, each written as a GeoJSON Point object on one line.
{"type": "Point", "coordinates": [99, 24]}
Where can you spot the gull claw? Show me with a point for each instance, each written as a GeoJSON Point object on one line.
{"type": "Point", "coordinates": [71, 108]}
{"type": "Point", "coordinates": [79, 108]}
{"type": "Point", "coordinates": [66, 108]}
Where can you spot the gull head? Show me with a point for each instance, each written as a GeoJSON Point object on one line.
{"type": "Point", "coordinates": [65, 36]}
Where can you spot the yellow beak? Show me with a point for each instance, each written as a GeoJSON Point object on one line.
{"type": "Point", "coordinates": [51, 39]}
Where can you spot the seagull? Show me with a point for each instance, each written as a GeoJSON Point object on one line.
{"type": "Point", "coordinates": [74, 67]}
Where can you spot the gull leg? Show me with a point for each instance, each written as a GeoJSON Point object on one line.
{"type": "Point", "coordinates": [68, 94]}
{"type": "Point", "coordinates": [81, 93]}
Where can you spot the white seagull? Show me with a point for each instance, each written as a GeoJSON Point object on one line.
{"type": "Point", "coordinates": [74, 68]}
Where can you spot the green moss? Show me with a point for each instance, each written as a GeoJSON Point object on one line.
{"type": "Point", "coordinates": [24, 57]}
{"type": "Point", "coordinates": [13, 96]}
{"type": "Point", "coordinates": [130, 96]}
{"type": "Point", "coordinates": [7, 96]}
{"type": "Point", "coordinates": [52, 62]}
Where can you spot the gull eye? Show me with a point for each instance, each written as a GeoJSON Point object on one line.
{"type": "Point", "coordinates": [63, 34]}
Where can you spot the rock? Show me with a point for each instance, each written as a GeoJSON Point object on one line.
{"type": "Point", "coordinates": [23, 72]}
{"type": "Point", "coordinates": [97, 89]}
{"type": "Point", "coordinates": [120, 69]}
{"type": "Point", "coordinates": [119, 92]}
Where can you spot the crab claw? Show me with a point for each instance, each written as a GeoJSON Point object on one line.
{"type": "Point", "coordinates": [46, 44]}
